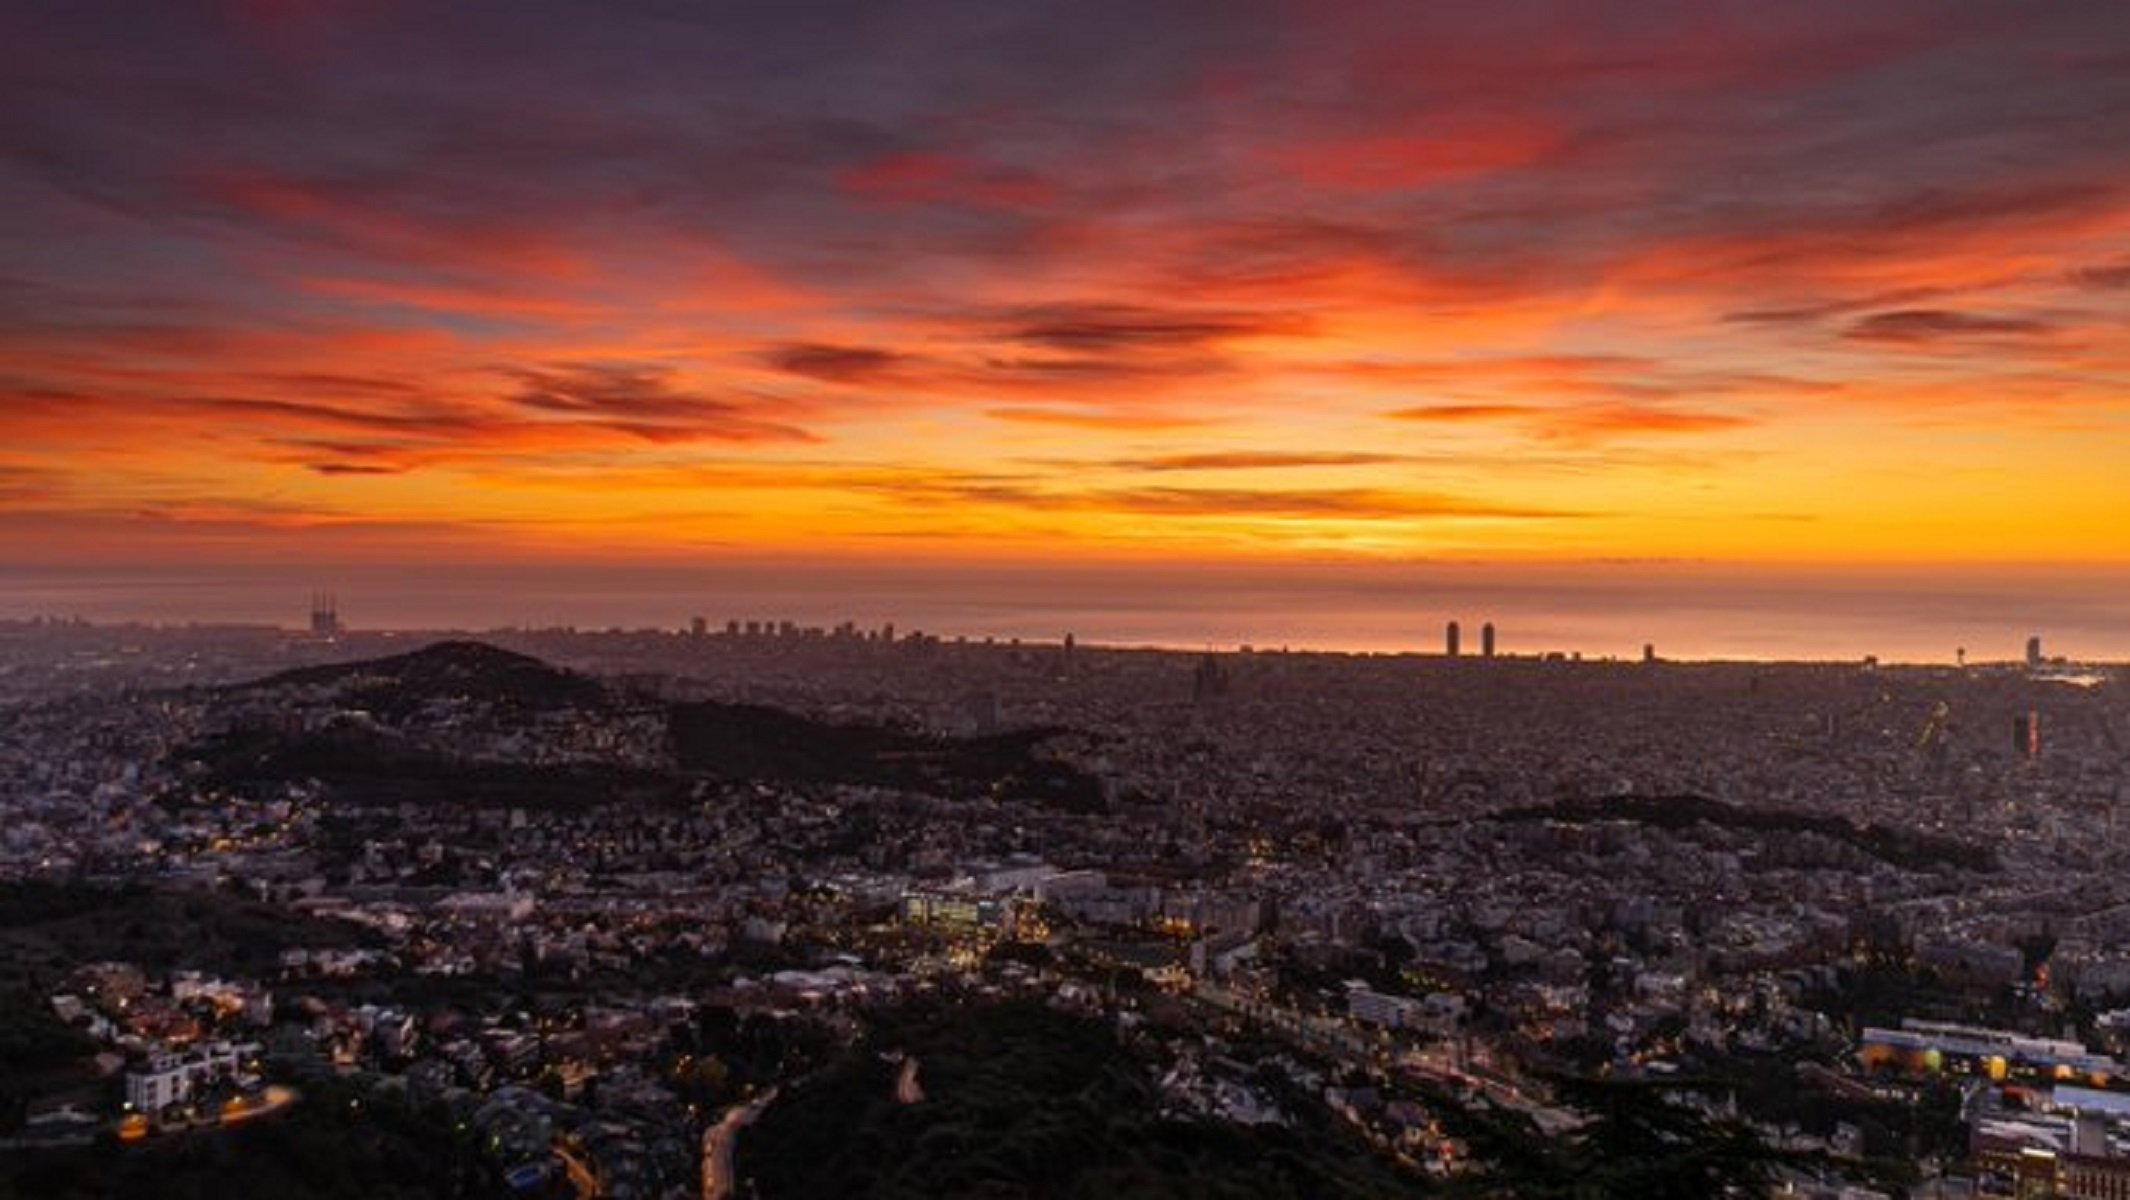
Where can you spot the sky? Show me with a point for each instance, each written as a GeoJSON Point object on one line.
{"type": "Point", "coordinates": [1833, 292]}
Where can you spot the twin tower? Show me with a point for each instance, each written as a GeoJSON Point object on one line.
{"type": "Point", "coordinates": [1453, 640]}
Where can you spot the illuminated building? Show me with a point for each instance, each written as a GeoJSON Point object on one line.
{"type": "Point", "coordinates": [953, 909]}
{"type": "Point", "coordinates": [1934, 1047]}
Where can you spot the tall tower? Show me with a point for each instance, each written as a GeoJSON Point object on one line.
{"type": "Point", "coordinates": [325, 615]}
{"type": "Point", "coordinates": [2033, 651]}
{"type": "Point", "coordinates": [1486, 640]}
{"type": "Point", "coordinates": [2026, 735]}
{"type": "Point", "coordinates": [1450, 640]}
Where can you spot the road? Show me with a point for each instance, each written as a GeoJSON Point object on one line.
{"type": "Point", "coordinates": [907, 1090]}
{"type": "Point", "coordinates": [721, 1139]}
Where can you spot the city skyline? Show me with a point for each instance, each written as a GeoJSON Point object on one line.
{"type": "Point", "coordinates": [1794, 294]}
{"type": "Point", "coordinates": [1689, 615]}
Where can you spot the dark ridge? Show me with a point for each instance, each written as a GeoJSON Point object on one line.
{"type": "Point", "coordinates": [371, 768]}
{"type": "Point", "coordinates": [749, 742]}
{"type": "Point", "coordinates": [448, 670]}
{"type": "Point", "coordinates": [394, 760]}
{"type": "Point", "coordinates": [1907, 848]}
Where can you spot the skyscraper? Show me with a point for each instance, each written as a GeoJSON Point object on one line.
{"type": "Point", "coordinates": [2026, 735]}
{"type": "Point", "coordinates": [325, 615]}
{"type": "Point", "coordinates": [1450, 640]}
{"type": "Point", "coordinates": [2033, 651]}
{"type": "Point", "coordinates": [1486, 640]}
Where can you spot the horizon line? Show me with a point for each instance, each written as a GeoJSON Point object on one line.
{"type": "Point", "coordinates": [829, 635]}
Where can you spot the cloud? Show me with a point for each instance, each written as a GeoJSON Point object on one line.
{"type": "Point", "coordinates": [1591, 421]}
{"type": "Point", "coordinates": [1252, 460]}
{"type": "Point", "coordinates": [27, 485]}
{"type": "Point", "coordinates": [928, 177]}
{"type": "Point", "coordinates": [1580, 422]}
{"type": "Point", "coordinates": [1098, 419]}
{"type": "Point", "coordinates": [1821, 310]}
{"type": "Point", "coordinates": [347, 468]}
{"type": "Point", "coordinates": [2108, 277]}
{"type": "Point", "coordinates": [424, 421]}
{"type": "Point", "coordinates": [544, 251]}
{"type": "Point", "coordinates": [1934, 210]}
{"type": "Point", "coordinates": [1107, 327]}
{"type": "Point", "coordinates": [1450, 149]}
{"type": "Point", "coordinates": [1449, 413]}
{"type": "Point", "coordinates": [1092, 372]}
{"type": "Point", "coordinates": [1918, 326]}
{"type": "Point", "coordinates": [1346, 504]}
{"type": "Point", "coordinates": [835, 364]}
{"type": "Point", "coordinates": [643, 402]}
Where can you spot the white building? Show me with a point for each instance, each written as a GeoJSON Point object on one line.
{"type": "Point", "coordinates": [175, 1078]}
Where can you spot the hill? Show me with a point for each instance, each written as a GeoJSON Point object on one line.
{"type": "Point", "coordinates": [453, 670]}
{"type": "Point", "coordinates": [467, 723]}
{"type": "Point", "coordinates": [1907, 848]}
{"type": "Point", "coordinates": [750, 742]}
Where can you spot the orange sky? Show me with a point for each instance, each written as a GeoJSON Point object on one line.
{"type": "Point", "coordinates": [1807, 283]}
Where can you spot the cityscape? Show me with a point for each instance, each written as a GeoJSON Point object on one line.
{"type": "Point", "coordinates": [1064, 600]}
{"type": "Point", "coordinates": [625, 910]}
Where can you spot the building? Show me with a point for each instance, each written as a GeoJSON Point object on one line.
{"type": "Point", "coordinates": [325, 615]}
{"type": "Point", "coordinates": [158, 1087]}
{"type": "Point", "coordinates": [979, 713]}
{"type": "Point", "coordinates": [2033, 651]}
{"type": "Point", "coordinates": [930, 906]}
{"type": "Point", "coordinates": [1486, 640]}
{"type": "Point", "coordinates": [2026, 735]}
{"type": "Point", "coordinates": [1450, 640]}
{"type": "Point", "coordinates": [169, 1079]}
{"type": "Point", "coordinates": [1385, 1011]}
{"type": "Point", "coordinates": [2087, 1177]}
{"type": "Point", "coordinates": [1931, 1047]}
{"type": "Point", "coordinates": [1093, 896]}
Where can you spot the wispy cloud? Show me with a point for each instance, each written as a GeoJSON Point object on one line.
{"type": "Point", "coordinates": [1581, 422]}
{"type": "Point", "coordinates": [1916, 326]}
